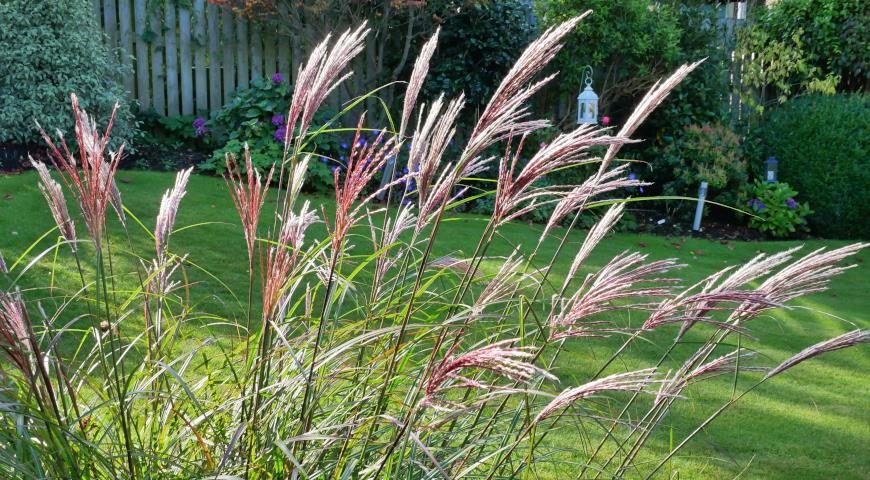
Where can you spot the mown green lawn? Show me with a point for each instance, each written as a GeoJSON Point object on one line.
{"type": "Point", "coordinates": [812, 422]}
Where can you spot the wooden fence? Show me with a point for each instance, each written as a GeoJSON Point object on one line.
{"type": "Point", "coordinates": [186, 61]}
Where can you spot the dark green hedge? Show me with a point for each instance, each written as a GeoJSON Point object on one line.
{"type": "Point", "coordinates": [823, 147]}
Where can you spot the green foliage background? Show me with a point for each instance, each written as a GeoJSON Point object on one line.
{"type": "Point", "coordinates": [49, 49]}
{"type": "Point", "coordinates": [823, 147]}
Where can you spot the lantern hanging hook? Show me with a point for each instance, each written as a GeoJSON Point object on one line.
{"type": "Point", "coordinates": [587, 75]}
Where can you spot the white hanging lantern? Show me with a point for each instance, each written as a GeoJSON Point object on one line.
{"type": "Point", "coordinates": [587, 101]}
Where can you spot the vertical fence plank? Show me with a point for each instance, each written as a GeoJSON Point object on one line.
{"type": "Point", "coordinates": [270, 52]}
{"type": "Point", "coordinates": [214, 59]}
{"type": "Point", "coordinates": [185, 56]}
{"type": "Point", "coordinates": [98, 11]}
{"type": "Point", "coordinates": [125, 44]}
{"type": "Point", "coordinates": [158, 77]}
{"type": "Point", "coordinates": [242, 52]}
{"type": "Point", "coordinates": [256, 52]}
{"type": "Point", "coordinates": [201, 85]}
{"type": "Point", "coordinates": [110, 23]}
{"type": "Point", "coordinates": [283, 42]}
{"type": "Point", "coordinates": [143, 88]}
{"type": "Point", "coordinates": [171, 60]}
{"type": "Point", "coordinates": [227, 43]}
{"type": "Point", "coordinates": [284, 56]}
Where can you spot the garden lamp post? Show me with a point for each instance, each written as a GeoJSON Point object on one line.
{"type": "Point", "coordinates": [771, 165]}
{"type": "Point", "coordinates": [699, 208]}
{"type": "Point", "coordinates": [587, 101]}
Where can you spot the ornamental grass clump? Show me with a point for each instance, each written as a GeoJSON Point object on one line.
{"type": "Point", "coordinates": [358, 354]}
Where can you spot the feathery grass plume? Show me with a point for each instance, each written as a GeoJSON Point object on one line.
{"type": "Point", "coordinates": [418, 75]}
{"type": "Point", "coordinates": [394, 227]}
{"type": "Point", "coordinates": [809, 274]}
{"type": "Point", "coordinates": [727, 363]}
{"type": "Point", "coordinates": [653, 98]}
{"type": "Point", "coordinates": [248, 195]}
{"type": "Point", "coordinates": [500, 358]}
{"type": "Point", "coordinates": [282, 256]}
{"type": "Point", "coordinates": [168, 209]}
{"type": "Point", "coordinates": [14, 332]}
{"type": "Point", "coordinates": [363, 163]}
{"type": "Point", "coordinates": [845, 340]}
{"type": "Point", "coordinates": [699, 306]}
{"type": "Point", "coordinates": [431, 139]}
{"type": "Point", "coordinates": [636, 381]}
{"type": "Point", "coordinates": [3, 268]}
{"type": "Point", "coordinates": [53, 194]}
{"type": "Point", "coordinates": [91, 183]}
{"type": "Point", "coordinates": [114, 194]}
{"type": "Point", "coordinates": [595, 235]}
{"type": "Point", "coordinates": [156, 287]}
{"type": "Point", "coordinates": [759, 266]}
{"type": "Point", "coordinates": [505, 114]}
{"type": "Point", "coordinates": [580, 195]}
{"type": "Point", "coordinates": [505, 282]}
{"type": "Point", "coordinates": [568, 149]}
{"type": "Point", "coordinates": [626, 276]}
{"type": "Point", "coordinates": [320, 75]}
{"type": "Point", "coordinates": [442, 188]}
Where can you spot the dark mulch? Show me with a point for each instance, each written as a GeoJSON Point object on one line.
{"type": "Point", "coordinates": [163, 159]}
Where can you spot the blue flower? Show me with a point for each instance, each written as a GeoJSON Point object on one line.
{"type": "Point", "coordinates": [632, 176]}
{"type": "Point", "coordinates": [278, 120]}
{"type": "Point", "coordinates": [342, 158]}
{"type": "Point", "coordinates": [324, 159]}
{"type": "Point", "coordinates": [791, 203]}
{"type": "Point", "coordinates": [277, 78]}
{"type": "Point", "coordinates": [344, 145]}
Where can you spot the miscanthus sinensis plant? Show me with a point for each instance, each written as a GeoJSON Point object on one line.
{"type": "Point", "coordinates": [359, 355]}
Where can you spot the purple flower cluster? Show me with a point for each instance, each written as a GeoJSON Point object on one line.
{"type": "Point", "coordinates": [791, 203]}
{"type": "Point", "coordinates": [279, 121]}
{"type": "Point", "coordinates": [757, 204]}
{"type": "Point", "coordinates": [277, 78]}
{"type": "Point", "coordinates": [280, 134]}
{"type": "Point", "coordinates": [199, 128]}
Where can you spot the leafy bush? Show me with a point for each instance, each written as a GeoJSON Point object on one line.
{"type": "Point", "coordinates": [257, 116]}
{"type": "Point", "coordinates": [708, 153]}
{"type": "Point", "coordinates": [171, 132]}
{"type": "Point", "coordinates": [823, 147]}
{"type": "Point", "coordinates": [799, 46]}
{"type": "Point", "coordinates": [776, 211]}
{"type": "Point", "coordinates": [48, 50]}
{"type": "Point", "coordinates": [360, 355]}
{"type": "Point", "coordinates": [478, 45]}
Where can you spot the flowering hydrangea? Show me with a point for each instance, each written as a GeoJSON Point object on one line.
{"type": "Point", "coordinates": [277, 78]}
{"type": "Point", "coordinates": [280, 134]}
{"type": "Point", "coordinates": [199, 128]}
{"type": "Point", "coordinates": [757, 204]}
{"type": "Point", "coordinates": [278, 120]}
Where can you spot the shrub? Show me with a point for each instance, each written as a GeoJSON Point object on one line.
{"type": "Point", "coordinates": [479, 45]}
{"type": "Point", "coordinates": [708, 153]}
{"type": "Point", "coordinates": [360, 355]}
{"type": "Point", "coordinates": [48, 50]}
{"type": "Point", "coordinates": [256, 116]}
{"type": "Point", "coordinates": [799, 46]}
{"type": "Point", "coordinates": [823, 147]}
{"type": "Point", "coordinates": [776, 211]}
